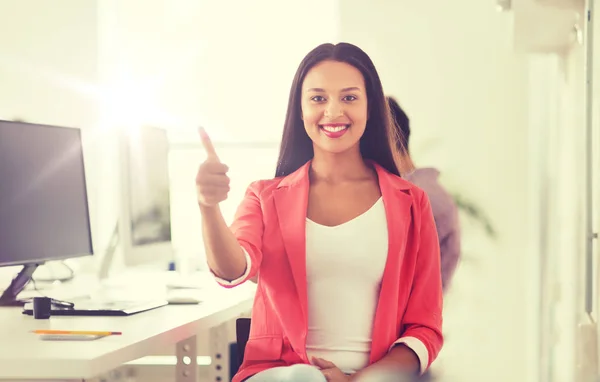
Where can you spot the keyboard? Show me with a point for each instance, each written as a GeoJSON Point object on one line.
{"type": "Point", "coordinates": [91, 307]}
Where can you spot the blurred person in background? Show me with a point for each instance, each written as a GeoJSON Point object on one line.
{"type": "Point", "coordinates": [445, 212]}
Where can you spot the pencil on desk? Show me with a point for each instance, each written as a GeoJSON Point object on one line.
{"type": "Point", "coordinates": [77, 332]}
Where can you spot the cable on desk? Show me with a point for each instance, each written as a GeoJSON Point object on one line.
{"type": "Point", "coordinates": [59, 279]}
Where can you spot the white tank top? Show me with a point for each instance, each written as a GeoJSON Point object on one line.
{"type": "Point", "coordinates": [344, 268]}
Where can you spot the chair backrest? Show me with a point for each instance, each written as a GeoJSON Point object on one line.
{"type": "Point", "coordinates": [242, 332]}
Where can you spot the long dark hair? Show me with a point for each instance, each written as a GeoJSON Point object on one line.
{"type": "Point", "coordinates": [401, 122]}
{"type": "Point", "coordinates": [378, 142]}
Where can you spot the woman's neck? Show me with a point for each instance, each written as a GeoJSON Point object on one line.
{"type": "Point", "coordinates": [339, 167]}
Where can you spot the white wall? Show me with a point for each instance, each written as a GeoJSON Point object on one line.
{"type": "Point", "coordinates": [568, 236]}
{"type": "Point", "coordinates": [49, 69]}
{"type": "Point", "coordinates": [48, 61]}
{"type": "Point", "coordinates": [570, 225]}
{"type": "Point", "coordinates": [560, 124]}
{"type": "Point", "coordinates": [452, 67]}
{"type": "Point", "coordinates": [557, 129]}
{"type": "Point", "coordinates": [227, 65]}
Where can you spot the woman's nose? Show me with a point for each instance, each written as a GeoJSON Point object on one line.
{"type": "Point", "coordinates": [334, 110]}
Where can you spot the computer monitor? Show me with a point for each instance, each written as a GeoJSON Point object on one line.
{"type": "Point", "coordinates": [44, 212]}
{"type": "Point", "coordinates": [145, 222]}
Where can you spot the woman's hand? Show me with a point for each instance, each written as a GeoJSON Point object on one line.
{"type": "Point", "coordinates": [331, 372]}
{"type": "Point", "coordinates": [212, 182]}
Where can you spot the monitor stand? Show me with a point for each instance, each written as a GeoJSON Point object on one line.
{"type": "Point", "coordinates": [18, 283]}
{"type": "Point", "coordinates": [109, 254]}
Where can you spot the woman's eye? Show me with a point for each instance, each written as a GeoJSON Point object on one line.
{"type": "Point", "coordinates": [318, 98]}
{"type": "Point", "coordinates": [349, 98]}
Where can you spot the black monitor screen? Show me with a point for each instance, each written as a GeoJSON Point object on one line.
{"type": "Point", "coordinates": [43, 199]}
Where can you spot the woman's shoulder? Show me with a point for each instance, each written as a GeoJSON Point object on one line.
{"type": "Point", "coordinates": [266, 187]}
{"type": "Point", "coordinates": [399, 182]}
{"type": "Point", "coordinates": [263, 187]}
{"type": "Point", "coordinates": [418, 195]}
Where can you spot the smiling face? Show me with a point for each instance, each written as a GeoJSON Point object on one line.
{"type": "Point", "coordinates": [334, 106]}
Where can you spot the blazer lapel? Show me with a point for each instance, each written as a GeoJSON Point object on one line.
{"type": "Point", "coordinates": [398, 215]}
{"type": "Point", "coordinates": [291, 202]}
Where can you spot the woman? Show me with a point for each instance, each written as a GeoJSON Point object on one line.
{"type": "Point", "coordinates": [345, 250]}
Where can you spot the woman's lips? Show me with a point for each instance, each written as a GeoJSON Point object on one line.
{"type": "Point", "coordinates": [334, 130]}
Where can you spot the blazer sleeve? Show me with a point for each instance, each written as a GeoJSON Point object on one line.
{"type": "Point", "coordinates": [248, 227]}
{"type": "Point", "coordinates": [422, 330]}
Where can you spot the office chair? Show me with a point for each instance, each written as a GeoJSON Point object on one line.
{"type": "Point", "coordinates": [242, 332]}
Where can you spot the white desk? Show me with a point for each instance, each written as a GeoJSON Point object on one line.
{"type": "Point", "coordinates": [23, 356]}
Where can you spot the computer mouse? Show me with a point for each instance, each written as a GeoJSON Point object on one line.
{"type": "Point", "coordinates": [183, 300]}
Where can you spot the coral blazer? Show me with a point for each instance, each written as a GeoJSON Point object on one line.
{"type": "Point", "coordinates": [270, 226]}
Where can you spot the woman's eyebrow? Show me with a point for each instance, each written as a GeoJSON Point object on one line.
{"type": "Point", "coordinates": [353, 88]}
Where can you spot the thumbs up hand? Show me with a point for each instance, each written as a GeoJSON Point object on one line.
{"type": "Point", "coordinates": [212, 182]}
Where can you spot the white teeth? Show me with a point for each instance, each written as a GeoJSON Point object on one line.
{"type": "Point", "coordinates": [334, 129]}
